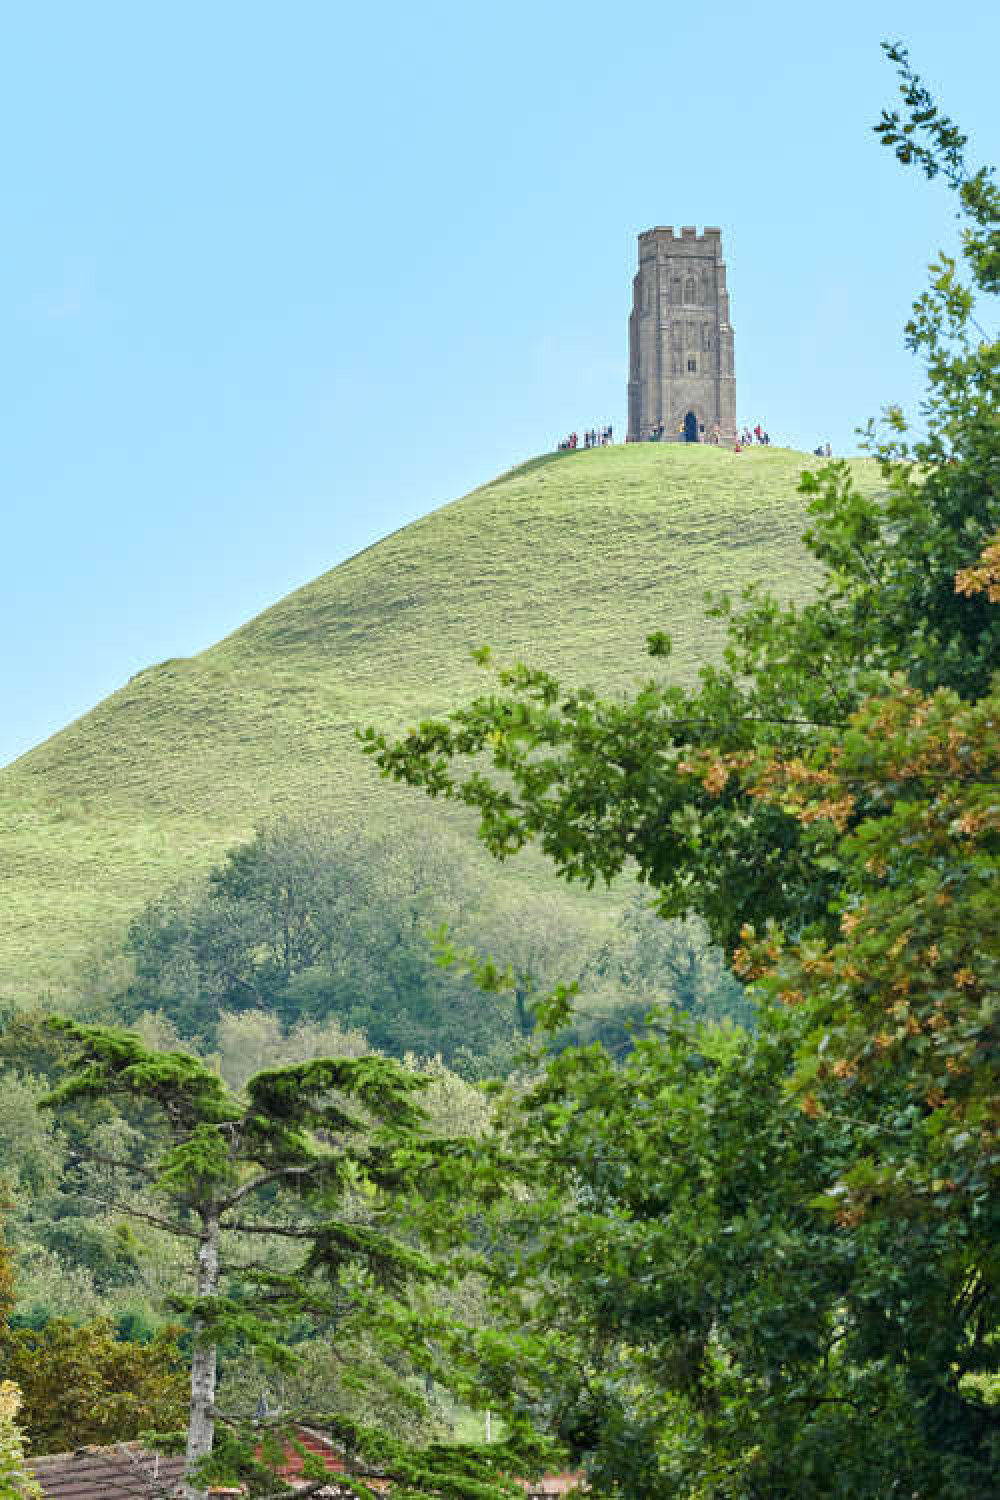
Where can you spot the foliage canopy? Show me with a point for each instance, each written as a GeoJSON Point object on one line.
{"type": "Point", "coordinates": [327, 1165]}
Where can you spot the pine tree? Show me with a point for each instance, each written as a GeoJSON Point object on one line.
{"type": "Point", "coordinates": [331, 1160]}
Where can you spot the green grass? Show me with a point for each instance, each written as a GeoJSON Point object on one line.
{"type": "Point", "coordinates": [568, 561]}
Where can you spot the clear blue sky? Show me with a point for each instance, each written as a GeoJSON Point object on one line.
{"type": "Point", "coordinates": [280, 278]}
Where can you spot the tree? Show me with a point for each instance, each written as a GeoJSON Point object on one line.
{"type": "Point", "coordinates": [85, 1385]}
{"type": "Point", "coordinates": [326, 1158]}
{"type": "Point", "coordinates": [767, 1266]}
{"type": "Point", "coordinates": [311, 924]}
{"type": "Point", "coordinates": [655, 964]}
{"type": "Point", "coordinates": [699, 1321]}
{"type": "Point", "coordinates": [627, 962]}
{"type": "Point", "coordinates": [771, 1268]}
{"type": "Point", "coordinates": [15, 1482]}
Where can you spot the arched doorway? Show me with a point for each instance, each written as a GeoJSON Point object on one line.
{"type": "Point", "coordinates": [690, 428]}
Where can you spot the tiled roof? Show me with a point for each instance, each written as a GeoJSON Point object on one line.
{"type": "Point", "coordinates": [317, 1446]}
{"type": "Point", "coordinates": [124, 1472]}
{"type": "Point", "coordinates": [553, 1485]}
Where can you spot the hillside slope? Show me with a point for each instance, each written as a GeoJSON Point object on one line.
{"type": "Point", "coordinates": [569, 562]}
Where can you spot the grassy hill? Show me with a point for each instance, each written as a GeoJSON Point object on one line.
{"type": "Point", "coordinates": [568, 561]}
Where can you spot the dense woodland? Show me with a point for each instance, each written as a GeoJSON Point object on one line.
{"type": "Point", "coordinates": [724, 1225]}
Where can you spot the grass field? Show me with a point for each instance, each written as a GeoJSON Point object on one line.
{"type": "Point", "coordinates": [568, 561]}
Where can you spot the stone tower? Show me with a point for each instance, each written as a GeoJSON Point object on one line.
{"type": "Point", "coordinates": [680, 381]}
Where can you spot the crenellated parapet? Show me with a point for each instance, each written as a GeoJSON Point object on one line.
{"type": "Point", "coordinates": [665, 240]}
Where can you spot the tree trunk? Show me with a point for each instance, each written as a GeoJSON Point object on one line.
{"type": "Point", "coordinates": [201, 1419]}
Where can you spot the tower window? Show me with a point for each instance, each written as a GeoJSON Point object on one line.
{"type": "Point", "coordinates": [692, 366]}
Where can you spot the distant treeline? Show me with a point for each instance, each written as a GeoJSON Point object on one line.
{"type": "Point", "coordinates": [309, 924]}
